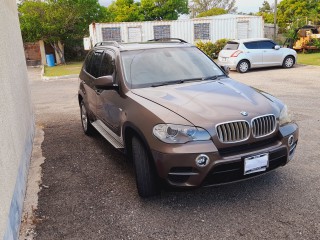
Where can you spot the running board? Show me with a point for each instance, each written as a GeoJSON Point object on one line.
{"type": "Point", "coordinates": [107, 134]}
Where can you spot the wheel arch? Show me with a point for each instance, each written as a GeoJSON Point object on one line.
{"type": "Point", "coordinates": [243, 60]}
{"type": "Point", "coordinates": [247, 60]}
{"type": "Point", "coordinates": [290, 55]}
{"type": "Point", "coordinates": [130, 130]}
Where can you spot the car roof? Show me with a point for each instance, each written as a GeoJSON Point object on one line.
{"type": "Point", "coordinates": [143, 45]}
{"type": "Point", "coordinates": [250, 40]}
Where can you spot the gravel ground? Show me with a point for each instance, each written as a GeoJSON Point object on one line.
{"type": "Point", "coordinates": [91, 191]}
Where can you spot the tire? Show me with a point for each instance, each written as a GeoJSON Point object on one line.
{"type": "Point", "coordinates": [288, 62]}
{"type": "Point", "coordinates": [243, 66]}
{"type": "Point", "coordinates": [88, 129]}
{"type": "Point", "coordinates": [146, 178]}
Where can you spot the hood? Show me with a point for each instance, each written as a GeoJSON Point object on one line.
{"type": "Point", "coordinates": [210, 101]}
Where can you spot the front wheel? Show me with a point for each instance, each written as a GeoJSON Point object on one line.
{"type": "Point", "coordinates": [288, 62]}
{"type": "Point", "coordinates": [146, 178]}
{"type": "Point", "coordinates": [243, 66]}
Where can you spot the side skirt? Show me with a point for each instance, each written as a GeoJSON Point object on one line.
{"type": "Point", "coordinates": [108, 134]}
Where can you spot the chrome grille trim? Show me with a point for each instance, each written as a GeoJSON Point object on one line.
{"type": "Point", "coordinates": [263, 125]}
{"type": "Point", "coordinates": [232, 132]}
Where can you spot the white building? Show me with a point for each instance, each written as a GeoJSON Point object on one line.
{"type": "Point", "coordinates": [206, 29]}
{"type": "Point", "coordinates": [17, 122]}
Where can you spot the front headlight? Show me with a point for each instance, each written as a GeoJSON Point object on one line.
{"type": "Point", "coordinates": [172, 133]}
{"type": "Point", "coordinates": [285, 116]}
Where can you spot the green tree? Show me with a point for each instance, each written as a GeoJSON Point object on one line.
{"type": "Point", "coordinates": [199, 6]}
{"type": "Point", "coordinates": [57, 21]}
{"type": "Point", "coordinates": [125, 11]}
{"type": "Point", "coordinates": [265, 7]}
{"type": "Point", "coordinates": [266, 12]}
{"type": "Point", "coordinates": [212, 12]}
{"type": "Point", "coordinates": [163, 9]}
{"type": "Point", "coordinates": [296, 13]}
{"type": "Point", "coordinates": [31, 15]}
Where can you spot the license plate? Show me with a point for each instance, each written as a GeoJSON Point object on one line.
{"type": "Point", "coordinates": [257, 163]}
{"type": "Point", "coordinates": [223, 59]}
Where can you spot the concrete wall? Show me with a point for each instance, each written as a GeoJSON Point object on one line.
{"type": "Point", "coordinates": [16, 121]}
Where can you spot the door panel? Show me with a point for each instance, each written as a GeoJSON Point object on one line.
{"type": "Point", "coordinates": [87, 77]}
{"type": "Point", "coordinates": [254, 54]}
{"type": "Point", "coordinates": [108, 110]}
{"type": "Point", "coordinates": [134, 34]}
{"type": "Point", "coordinates": [243, 29]}
{"type": "Point", "coordinates": [271, 57]}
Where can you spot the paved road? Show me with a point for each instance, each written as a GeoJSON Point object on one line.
{"type": "Point", "coordinates": [92, 192]}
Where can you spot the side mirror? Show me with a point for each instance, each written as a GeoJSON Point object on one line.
{"type": "Point", "coordinates": [226, 70]}
{"type": "Point", "coordinates": [105, 82]}
{"type": "Point", "coordinates": [277, 47]}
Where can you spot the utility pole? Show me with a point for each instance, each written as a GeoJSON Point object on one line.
{"type": "Point", "coordinates": [275, 21]}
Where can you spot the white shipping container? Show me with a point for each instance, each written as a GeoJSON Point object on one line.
{"type": "Point", "coordinates": [191, 30]}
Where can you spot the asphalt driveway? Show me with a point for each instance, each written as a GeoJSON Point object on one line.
{"type": "Point", "coordinates": [90, 188]}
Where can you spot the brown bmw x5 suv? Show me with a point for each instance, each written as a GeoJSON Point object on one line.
{"type": "Point", "coordinates": [179, 116]}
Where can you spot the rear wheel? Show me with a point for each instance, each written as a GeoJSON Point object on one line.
{"type": "Point", "coordinates": [288, 62]}
{"type": "Point", "coordinates": [146, 178]}
{"type": "Point", "coordinates": [243, 66]}
{"type": "Point", "coordinates": [86, 125]}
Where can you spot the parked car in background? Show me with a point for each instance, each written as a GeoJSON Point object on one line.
{"type": "Point", "coordinates": [179, 117]}
{"type": "Point", "coordinates": [244, 54]}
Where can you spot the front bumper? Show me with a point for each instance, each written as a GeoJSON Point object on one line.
{"type": "Point", "coordinates": [225, 165]}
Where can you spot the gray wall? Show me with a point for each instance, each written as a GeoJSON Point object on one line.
{"type": "Point", "coordinates": [16, 121]}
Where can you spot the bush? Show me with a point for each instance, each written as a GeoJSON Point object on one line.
{"type": "Point", "coordinates": [315, 42]}
{"type": "Point", "coordinates": [210, 48]}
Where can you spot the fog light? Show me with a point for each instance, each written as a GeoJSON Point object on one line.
{"type": "Point", "coordinates": [290, 140]}
{"type": "Point", "coordinates": [202, 160]}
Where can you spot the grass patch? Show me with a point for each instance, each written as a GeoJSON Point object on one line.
{"type": "Point", "coordinates": [309, 58]}
{"type": "Point", "coordinates": [61, 70]}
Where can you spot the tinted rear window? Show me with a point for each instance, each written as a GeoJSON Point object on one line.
{"type": "Point", "coordinates": [231, 46]}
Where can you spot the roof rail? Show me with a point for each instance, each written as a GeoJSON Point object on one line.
{"type": "Point", "coordinates": [107, 43]}
{"type": "Point", "coordinates": [167, 40]}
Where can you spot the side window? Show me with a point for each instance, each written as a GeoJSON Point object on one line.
{"type": "Point", "coordinates": [87, 62]}
{"type": "Point", "coordinates": [251, 45]}
{"type": "Point", "coordinates": [95, 63]}
{"type": "Point", "coordinates": [266, 45]}
{"type": "Point", "coordinates": [107, 64]}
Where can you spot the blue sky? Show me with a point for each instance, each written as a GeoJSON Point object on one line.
{"type": "Point", "coordinates": [245, 6]}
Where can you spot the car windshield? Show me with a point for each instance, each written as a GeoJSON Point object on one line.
{"type": "Point", "coordinates": [157, 67]}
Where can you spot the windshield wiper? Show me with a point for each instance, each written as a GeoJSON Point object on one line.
{"type": "Point", "coordinates": [214, 77]}
{"type": "Point", "coordinates": [165, 83]}
{"type": "Point", "coordinates": [186, 80]}
{"type": "Point", "coordinates": [176, 82]}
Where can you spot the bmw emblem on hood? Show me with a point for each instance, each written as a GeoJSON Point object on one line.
{"type": "Point", "coordinates": [243, 113]}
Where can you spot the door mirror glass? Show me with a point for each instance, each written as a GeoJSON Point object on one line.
{"type": "Point", "coordinates": [276, 47]}
{"type": "Point", "coordinates": [104, 82]}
